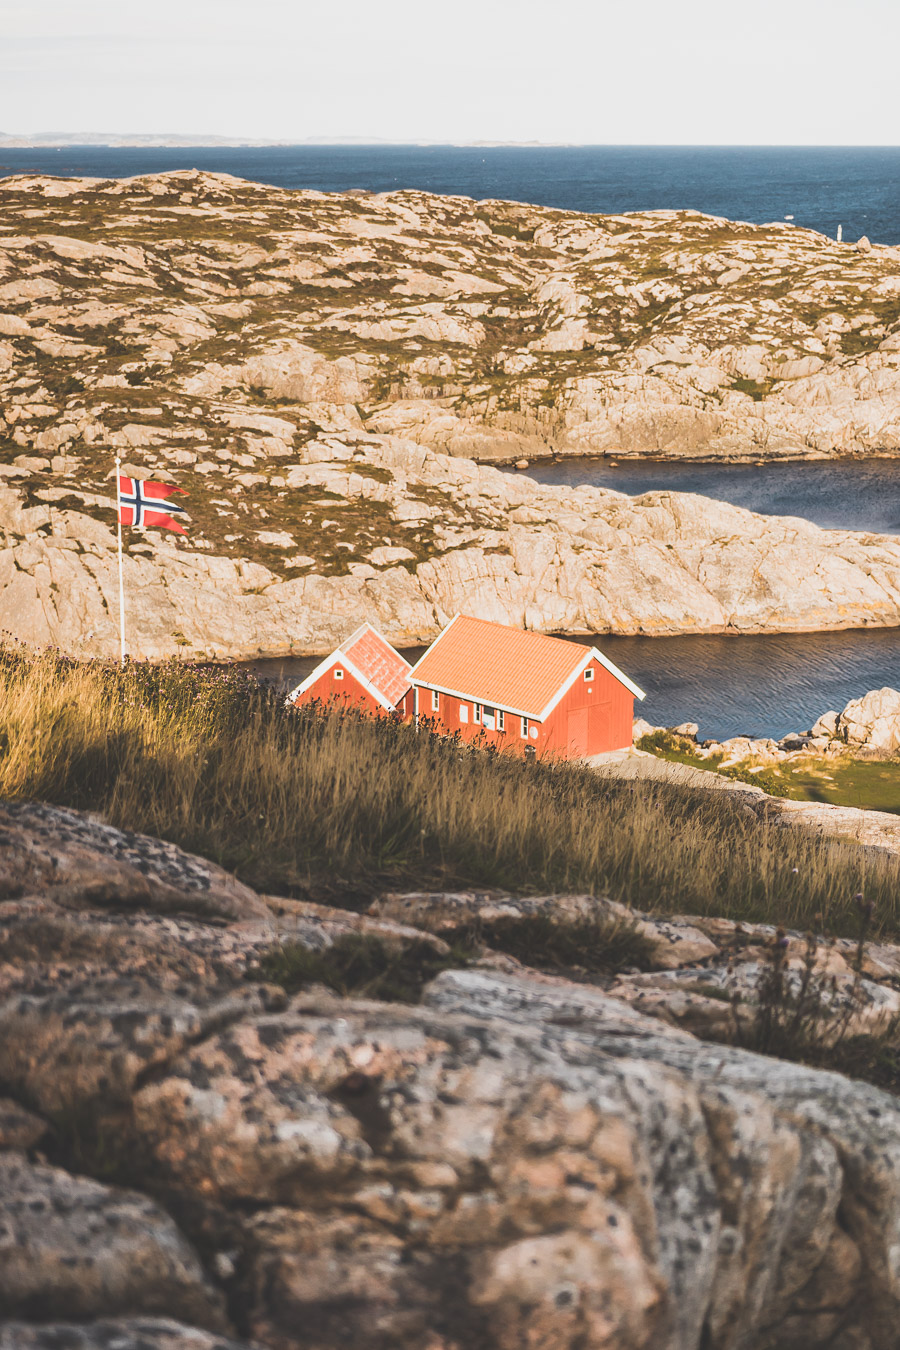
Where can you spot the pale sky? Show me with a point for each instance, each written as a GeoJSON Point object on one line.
{"type": "Point", "coordinates": [632, 71]}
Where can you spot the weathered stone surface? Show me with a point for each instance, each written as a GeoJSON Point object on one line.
{"type": "Point", "coordinates": [831, 1146]}
{"type": "Point", "coordinates": [522, 1161]}
{"type": "Point", "coordinates": [19, 1129]}
{"type": "Point", "coordinates": [137, 1333]}
{"type": "Point", "coordinates": [700, 999]}
{"type": "Point", "coordinates": [79, 860]}
{"type": "Point", "coordinates": [74, 1249]}
{"type": "Point", "coordinates": [826, 725]}
{"type": "Point", "coordinates": [444, 329]}
{"type": "Point", "coordinates": [872, 720]}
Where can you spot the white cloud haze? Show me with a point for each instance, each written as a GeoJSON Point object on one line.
{"type": "Point", "coordinates": [698, 72]}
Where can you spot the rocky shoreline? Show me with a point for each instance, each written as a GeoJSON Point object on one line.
{"type": "Point", "coordinates": [194, 1160]}
{"type": "Point", "coordinates": [868, 726]}
{"type": "Point", "coordinates": [456, 536]}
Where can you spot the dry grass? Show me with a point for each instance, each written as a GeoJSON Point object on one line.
{"type": "Point", "coordinates": [291, 798]}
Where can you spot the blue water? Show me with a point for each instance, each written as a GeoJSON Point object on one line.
{"type": "Point", "coordinates": [837, 494]}
{"type": "Point", "coordinates": [820, 186]}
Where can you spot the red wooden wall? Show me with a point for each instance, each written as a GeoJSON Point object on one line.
{"type": "Point", "coordinates": [327, 688]}
{"type": "Point", "coordinates": [592, 717]}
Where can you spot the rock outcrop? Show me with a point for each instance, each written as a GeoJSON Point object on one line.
{"type": "Point", "coordinates": [318, 369]}
{"type": "Point", "coordinates": [869, 725]}
{"type": "Point", "coordinates": [197, 1161]}
{"type": "Point", "coordinates": [582, 561]}
{"type": "Point", "coordinates": [873, 720]}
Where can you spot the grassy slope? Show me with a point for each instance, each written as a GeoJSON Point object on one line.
{"type": "Point", "coordinates": [334, 804]}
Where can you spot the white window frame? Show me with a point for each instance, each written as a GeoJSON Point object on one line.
{"type": "Point", "coordinates": [589, 673]}
{"type": "Point", "coordinates": [523, 728]}
{"type": "Point", "coordinates": [338, 673]}
{"type": "Point", "coordinates": [476, 713]}
{"type": "Point", "coordinates": [435, 701]}
{"type": "Point", "coordinates": [464, 712]}
{"type": "Point", "coordinates": [501, 720]}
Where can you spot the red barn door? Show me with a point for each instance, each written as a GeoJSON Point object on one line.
{"type": "Point", "coordinates": [577, 732]}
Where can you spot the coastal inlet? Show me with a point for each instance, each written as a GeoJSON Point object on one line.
{"type": "Point", "coordinates": [766, 684]}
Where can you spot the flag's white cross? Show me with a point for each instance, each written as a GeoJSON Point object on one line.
{"type": "Point", "coordinates": [139, 503]}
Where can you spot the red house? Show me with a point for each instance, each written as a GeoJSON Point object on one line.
{"type": "Point", "coordinates": [517, 689]}
{"type": "Point", "coordinates": [364, 670]}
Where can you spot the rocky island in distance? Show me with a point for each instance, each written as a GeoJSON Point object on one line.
{"type": "Point", "coordinates": [332, 371]}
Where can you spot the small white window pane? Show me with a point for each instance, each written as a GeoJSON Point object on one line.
{"type": "Point", "coordinates": [435, 701]}
{"type": "Point", "coordinates": [588, 674]}
{"type": "Point", "coordinates": [464, 712]}
{"type": "Point", "coordinates": [338, 673]}
{"type": "Point", "coordinates": [476, 711]}
{"type": "Point", "coordinates": [524, 727]}
{"type": "Point", "coordinates": [501, 720]}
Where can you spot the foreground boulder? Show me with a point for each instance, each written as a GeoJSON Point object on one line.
{"type": "Point", "coordinates": [191, 1160]}
{"type": "Point", "coordinates": [873, 720]}
{"type": "Point", "coordinates": [74, 1248]}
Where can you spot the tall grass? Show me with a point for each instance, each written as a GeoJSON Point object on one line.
{"type": "Point", "coordinates": [292, 799]}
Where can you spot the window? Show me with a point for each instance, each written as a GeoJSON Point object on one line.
{"type": "Point", "coordinates": [501, 720]}
{"type": "Point", "coordinates": [523, 730]}
{"type": "Point", "coordinates": [476, 712]}
{"type": "Point", "coordinates": [464, 712]}
{"type": "Point", "coordinates": [435, 701]}
{"type": "Point", "coordinates": [338, 673]}
{"type": "Point", "coordinates": [588, 674]}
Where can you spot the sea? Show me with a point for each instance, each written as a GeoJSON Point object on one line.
{"type": "Point", "coordinates": [818, 187]}
{"type": "Point", "coordinates": [760, 684]}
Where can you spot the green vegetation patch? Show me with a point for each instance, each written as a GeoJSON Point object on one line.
{"type": "Point", "coordinates": [872, 785]}
{"type": "Point", "coordinates": [757, 389]}
{"type": "Point", "coordinates": [593, 946]}
{"type": "Point", "coordinates": [358, 966]}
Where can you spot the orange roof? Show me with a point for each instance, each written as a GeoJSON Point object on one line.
{"type": "Point", "coordinates": [493, 664]}
{"type": "Point", "coordinates": [377, 660]}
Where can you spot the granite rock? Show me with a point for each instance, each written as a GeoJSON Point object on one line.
{"type": "Point", "coordinates": [520, 1160]}
{"type": "Point", "coordinates": [321, 370]}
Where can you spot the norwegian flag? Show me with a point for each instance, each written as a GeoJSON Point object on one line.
{"type": "Point", "coordinates": [144, 503]}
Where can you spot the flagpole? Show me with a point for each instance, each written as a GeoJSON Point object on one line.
{"type": "Point", "coordinates": [121, 580]}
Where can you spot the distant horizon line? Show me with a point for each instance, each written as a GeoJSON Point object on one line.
{"type": "Point", "coordinates": [176, 141]}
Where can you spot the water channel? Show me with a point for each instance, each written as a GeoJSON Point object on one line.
{"type": "Point", "coordinates": [763, 684]}
{"type": "Point", "coordinates": [838, 494]}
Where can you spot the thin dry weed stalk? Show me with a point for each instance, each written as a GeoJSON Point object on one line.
{"type": "Point", "coordinates": [810, 1014]}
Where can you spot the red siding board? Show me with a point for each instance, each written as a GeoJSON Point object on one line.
{"type": "Point", "coordinates": [609, 707]}
{"type": "Point", "coordinates": [327, 689]}
{"type": "Point", "coordinates": [592, 717]}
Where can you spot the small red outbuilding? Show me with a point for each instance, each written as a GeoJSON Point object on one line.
{"type": "Point", "coordinates": [521, 690]}
{"type": "Point", "coordinates": [364, 670]}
